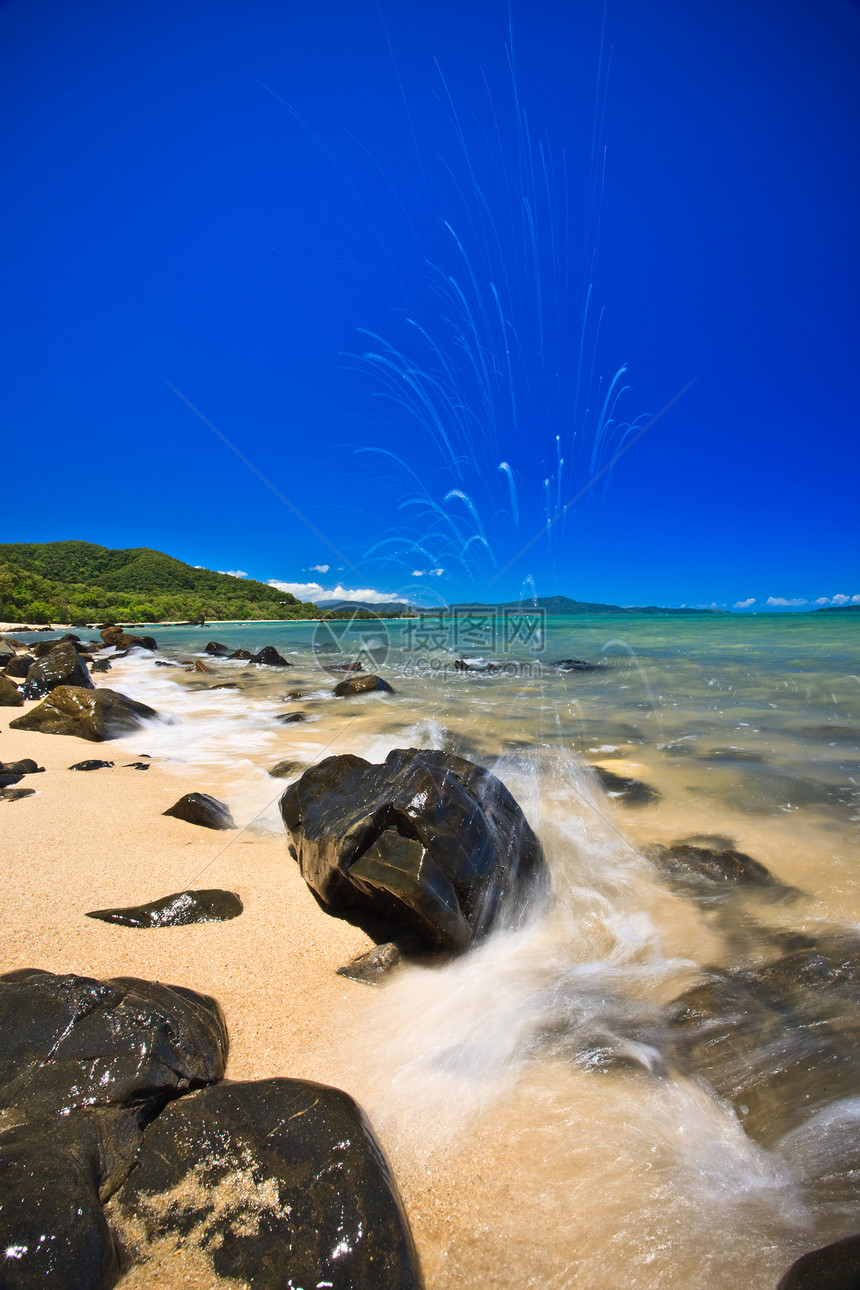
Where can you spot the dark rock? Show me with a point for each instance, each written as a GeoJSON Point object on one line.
{"type": "Point", "coordinates": [344, 667]}
{"type": "Point", "coordinates": [372, 967]}
{"type": "Point", "coordinates": [632, 792]}
{"type": "Point", "coordinates": [293, 695]}
{"type": "Point", "coordinates": [697, 869]}
{"type": "Point", "coordinates": [14, 794]}
{"type": "Point", "coordinates": [578, 665]}
{"type": "Point", "coordinates": [472, 665]}
{"type": "Point", "coordinates": [42, 649]}
{"type": "Point", "coordinates": [52, 1226]}
{"type": "Point", "coordinates": [281, 1182]}
{"type": "Point", "coordinates": [287, 718]}
{"type": "Point", "coordinates": [61, 667]}
{"type": "Point", "coordinates": [160, 662]}
{"type": "Point", "coordinates": [101, 665]}
{"type": "Point", "coordinates": [7, 779]}
{"type": "Point", "coordinates": [178, 910]}
{"type": "Point", "coordinates": [88, 714]}
{"type": "Point", "coordinates": [242, 654]}
{"type": "Point", "coordinates": [426, 845]}
{"type": "Point", "coordinates": [284, 769]}
{"type": "Point", "coordinates": [225, 685]}
{"type": "Point", "coordinates": [270, 657]}
{"type": "Point", "coordinates": [136, 765]}
{"type": "Point", "coordinates": [219, 651]}
{"type": "Point", "coordinates": [71, 1042]}
{"type": "Point", "coordinates": [833, 1267]}
{"type": "Point", "coordinates": [26, 766]}
{"type": "Point", "coordinates": [362, 685]}
{"type": "Point", "coordinates": [11, 643]}
{"type": "Point", "coordinates": [92, 764]}
{"type": "Point", "coordinates": [117, 637]}
{"type": "Point", "coordinates": [200, 808]}
{"type": "Point", "coordinates": [19, 666]}
{"type": "Point", "coordinates": [10, 695]}
{"type": "Point", "coordinates": [196, 666]}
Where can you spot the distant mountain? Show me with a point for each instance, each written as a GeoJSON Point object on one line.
{"type": "Point", "coordinates": [384, 607]}
{"type": "Point", "coordinates": [838, 609]}
{"type": "Point", "coordinates": [561, 605]}
{"type": "Point", "coordinates": [82, 582]}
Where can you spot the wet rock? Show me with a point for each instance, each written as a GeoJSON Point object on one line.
{"type": "Point", "coordinates": [284, 769]}
{"type": "Point", "coordinates": [374, 966]}
{"type": "Point", "coordinates": [88, 714]}
{"type": "Point", "coordinates": [7, 780]}
{"type": "Point", "coordinates": [178, 910]}
{"type": "Point", "coordinates": [343, 667]}
{"type": "Point", "coordinates": [136, 765]}
{"type": "Point", "coordinates": [92, 764]}
{"type": "Point", "coordinates": [473, 665]}
{"type": "Point", "coordinates": [216, 649]}
{"type": "Point", "coordinates": [731, 754]}
{"type": "Point", "coordinates": [26, 766]}
{"type": "Point", "coordinates": [833, 1267]}
{"type": "Point", "coordinates": [42, 649]}
{"type": "Point", "coordinates": [121, 639]}
{"type": "Point", "coordinates": [676, 749]}
{"type": "Point", "coordinates": [101, 665]}
{"type": "Point", "coordinates": [200, 808]}
{"type": "Point", "coordinates": [14, 794]}
{"type": "Point", "coordinates": [292, 695]}
{"type": "Point", "coordinates": [779, 1040]}
{"type": "Point", "coordinates": [225, 685]}
{"type": "Point", "coordinates": [632, 792]}
{"type": "Point", "coordinates": [19, 666]}
{"type": "Point", "coordinates": [196, 666]}
{"type": "Point", "coordinates": [362, 685]}
{"type": "Point", "coordinates": [278, 1182]}
{"type": "Point", "coordinates": [72, 1042]}
{"type": "Point", "coordinates": [287, 718]}
{"type": "Point", "coordinates": [61, 667]}
{"type": "Point", "coordinates": [52, 1226]}
{"type": "Point", "coordinates": [269, 657]}
{"type": "Point", "coordinates": [160, 662]}
{"type": "Point", "coordinates": [578, 665]}
{"type": "Point", "coordinates": [700, 870]}
{"type": "Point", "coordinates": [10, 695]}
{"type": "Point", "coordinates": [426, 846]}
{"type": "Point", "coordinates": [244, 654]}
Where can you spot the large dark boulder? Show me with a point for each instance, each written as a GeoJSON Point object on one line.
{"type": "Point", "coordinates": [362, 685]}
{"type": "Point", "coordinates": [10, 695]}
{"type": "Point", "coordinates": [426, 846]}
{"type": "Point", "coordinates": [178, 910]}
{"type": "Point", "coordinates": [61, 667]}
{"type": "Point", "coordinates": [698, 870]}
{"type": "Point", "coordinates": [19, 666]}
{"type": "Point", "coordinates": [268, 656]}
{"type": "Point", "coordinates": [71, 1042]}
{"type": "Point", "coordinates": [833, 1267]}
{"type": "Point", "coordinates": [216, 649]}
{"type": "Point", "coordinates": [281, 1182]}
{"type": "Point", "coordinates": [200, 808]}
{"type": "Point", "coordinates": [88, 714]}
{"type": "Point", "coordinates": [121, 639]}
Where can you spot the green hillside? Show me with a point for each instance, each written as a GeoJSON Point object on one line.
{"type": "Point", "coordinates": [79, 582]}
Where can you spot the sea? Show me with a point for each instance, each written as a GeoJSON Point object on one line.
{"type": "Point", "coordinates": [650, 1076]}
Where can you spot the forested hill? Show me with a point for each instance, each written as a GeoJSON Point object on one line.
{"type": "Point", "coordinates": [81, 582]}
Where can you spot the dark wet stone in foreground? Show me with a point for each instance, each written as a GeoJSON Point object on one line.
{"type": "Point", "coordinates": [61, 666]}
{"type": "Point", "coordinates": [362, 685]}
{"type": "Point", "coordinates": [19, 665]}
{"type": "Point", "coordinates": [101, 665]}
{"type": "Point", "coordinates": [225, 685]}
{"type": "Point", "coordinates": [10, 695]}
{"type": "Point", "coordinates": [91, 765]}
{"type": "Point", "coordinates": [24, 766]}
{"type": "Point", "coordinates": [372, 967]}
{"type": "Point", "coordinates": [269, 657]}
{"type": "Point", "coordinates": [833, 1267]}
{"type": "Point", "coordinates": [632, 792]}
{"type": "Point", "coordinates": [200, 808]}
{"type": "Point", "coordinates": [282, 1183]}
{"type": "Point", "coordinates": [216, 649]}
{"type": "Point", "coordinates": [178, 910]}
{"type": "Point", "coordinates": [7, 780]}
{"type": "Point", "coordinates": [578, 665]}
{"type": "Point", "coordinates": [287, 718]}
{"type": "Point", "coordinates": [72, 1042]}
{"type": "Point", "coordinates": [426, 846]}
{"type": "Point", "coordinates": [136, 765]}
{"type": "Point", "coordinates": [89, 714]}
{"type": "Point", "coordinates": [15, 794]}
{"type": "Point", "coordinates": [242, 654]}
{"type": "Point", "coordinates": [284, 769]}
{"type": "Point", "coordinates": [701, 869]}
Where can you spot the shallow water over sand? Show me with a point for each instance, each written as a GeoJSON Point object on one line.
{"type": "Point", "coordinates": [542, 1122]}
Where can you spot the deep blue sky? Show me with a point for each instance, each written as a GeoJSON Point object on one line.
{"type": "Point", "coordinates": [230, 198]}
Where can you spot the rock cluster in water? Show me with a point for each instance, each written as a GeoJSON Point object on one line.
{"type": "Point", "coordinates": [427, 845]}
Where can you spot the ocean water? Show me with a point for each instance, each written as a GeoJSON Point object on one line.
{"type": "Point", "coordinates": [554, 1118]}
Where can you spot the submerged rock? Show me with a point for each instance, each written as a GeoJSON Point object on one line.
{"type": "Point", "coordinates": [427, 844]}
{"type": "Point", "coordinates": [362, 685]}
{"type": "Point", "coordinates": [61, 667]}
{"type": "Point", "coordinates": [10, 695]}
{"type": "Point", "coordinates": [699, 869]}
{"type": "Point", "coordinates": [200, 808]}
{"type": "Point", "coordinates": [372, 967]}
{"type": "Point", "coordinates": [288, 718]}
{"type": "Point", "coordinates": [278, 1182]}
{"type": "Point", "coordinates": [578, 665]}
{"type": "Point", "coordinates": [196, 666]}
{"type": "Point", "coordinates": [632, 792]}
{"type": "Point", "coordinates": [269, 657]}
{"type": "Point", "coordinates": [136, 765]}
{"type": "Point", "coordinates": [88, 714]}
{"type": "Point", "coordinates": [833, 1267]}
{"type": "Point", "coordinates": [91, 765]}
{"type": "Point", "coordinates": [284, 769]}
{"type": "Point", "coordinates": [178, 910]}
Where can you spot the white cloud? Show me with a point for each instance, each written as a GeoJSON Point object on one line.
{"type": "Point", "coordinates": [855, 600]}
{"type": "Point", "coordinates": [823, 600]}
{"type": "Point", "coordinates": [320, 568]}
{"type": "Point", "coordinates": [840, 600]}
{"type": "Point", "coordinates": [427, 573]}
{"type": "Point", "coordinates": [315, 591]}
{"type": "Point", "coordinates": [234, 573]}
{"type": "Point", "coordinates": [781, 603]}
{"type": "Point", "coordinates": [744, 604]}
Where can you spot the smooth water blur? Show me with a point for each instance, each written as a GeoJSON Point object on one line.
{"type": "Point", "coordinates": [546, 1121]}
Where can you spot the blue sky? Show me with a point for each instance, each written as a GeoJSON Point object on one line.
{"type": "Point", "coordinates": [425, 272]}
